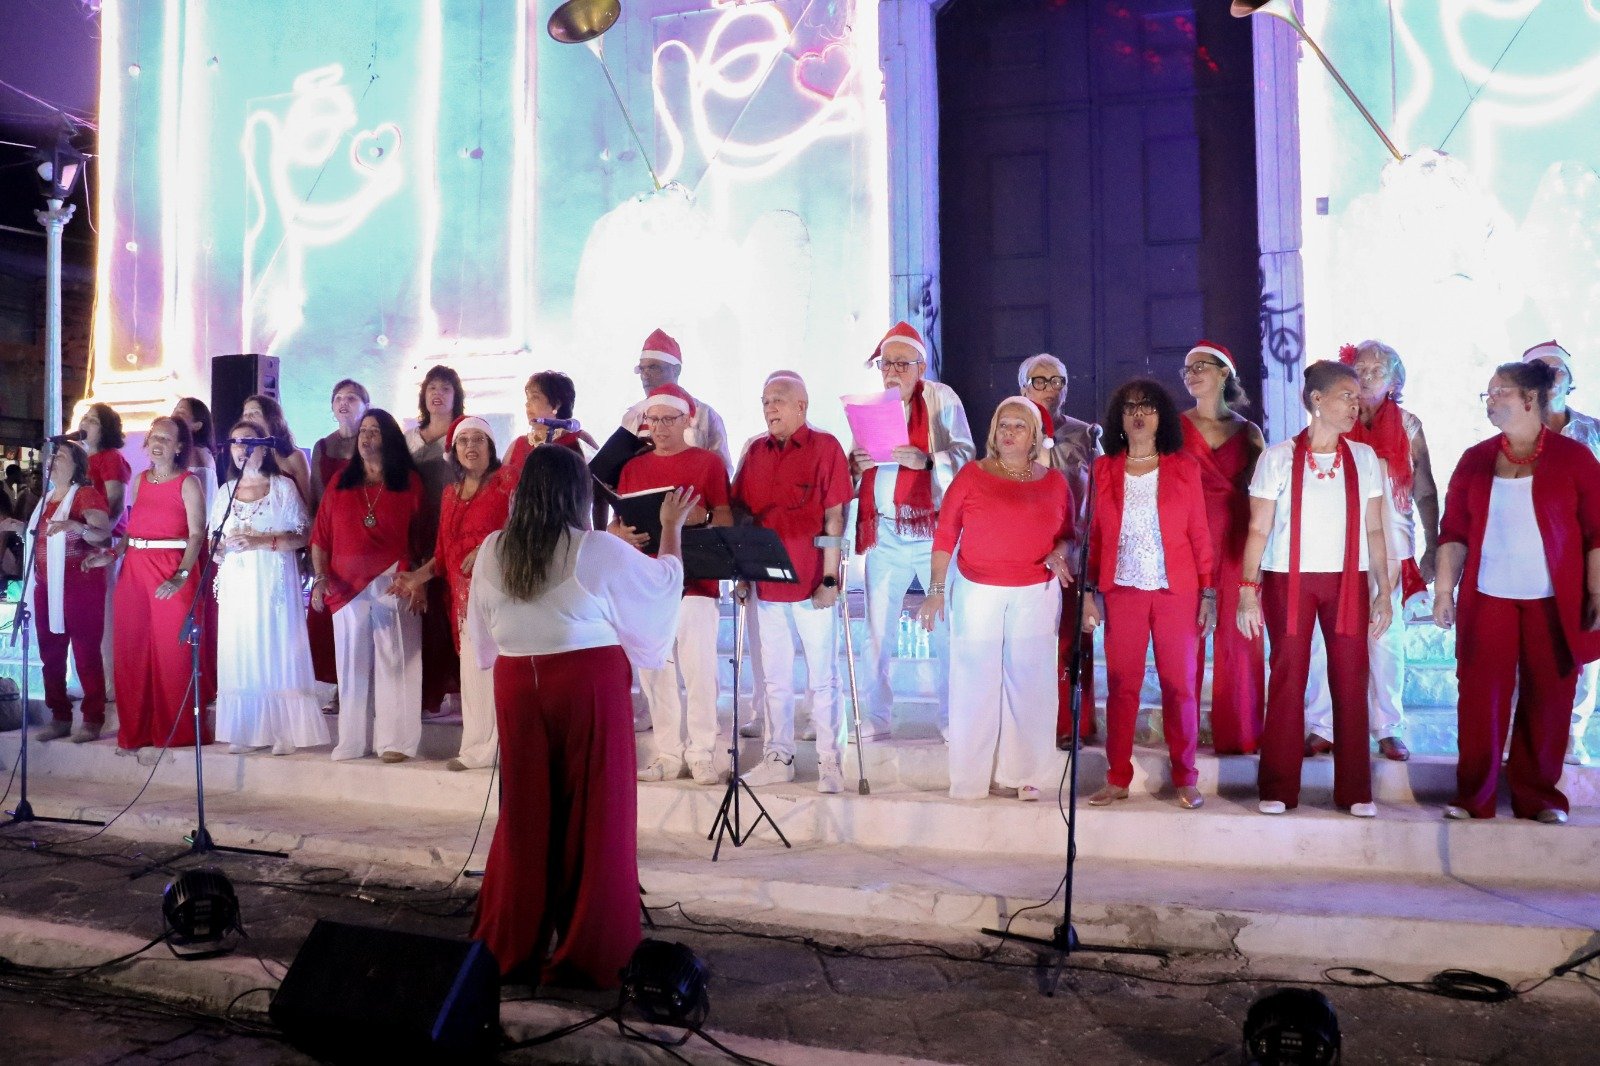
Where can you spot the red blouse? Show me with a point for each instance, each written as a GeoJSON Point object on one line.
{"type": "Point", "coordinates": [1180, 512]}
{"type": "Point", "coordinates": [521, 449]}
{"type": "Point", "coordinates": [358, 552]}
{"type": "Point", "coordinates": [106, 466]}
{"type": "Point", "coordinates": [86, 499]}
{"type": "Point", "coordinates": [694, 468]}
{"type": "Point", "coordinates": [1006, 528]}
{"type": "Point", "coordinates": [462, 527]}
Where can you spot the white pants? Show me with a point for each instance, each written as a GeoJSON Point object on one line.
{"type": "Point", "coordinates": [891, 563]}
{"type": "Point", "coordinates": [1583, 703]}
{"type": "Point", "coordinates": [378, 646]}
{"type": "Point", "coordinates": [758, 678]}
{"type": "Point", "coordinates": [690, 731]}
{"type": "Point", "coordinates": [479, 736]}
{"type": "Point", "coordinates": [1386, 678]}
{"type": "Point", "coordinates": [1002, 684]}
{"type": "Point", "coordinates": [818, 631]}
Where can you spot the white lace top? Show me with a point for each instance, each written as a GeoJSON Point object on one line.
{"type": "Point", "coordinates": [280, 511]}
{"type": "Point", "coordinates": [1141, 562]}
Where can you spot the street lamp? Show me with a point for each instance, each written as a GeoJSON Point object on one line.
{"type": "Point", "coordinates": [59, 168]}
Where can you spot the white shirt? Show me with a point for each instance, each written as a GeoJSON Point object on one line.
{"type": "Point", "coordinates": [1512, 565]}
{"type": "Point", "coordinates": [1141, 561]}
{"type": "Point", "coordinates": [1322, 506]}
{"type": "Point", "coordinates": [601, 591]}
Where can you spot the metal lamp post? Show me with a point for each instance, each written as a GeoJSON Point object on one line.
{"type": "Point", "coordinates": [58, 173]}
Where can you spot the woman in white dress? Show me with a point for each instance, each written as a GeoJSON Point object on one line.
{"type": "Point", "coordinates": [266, 691]}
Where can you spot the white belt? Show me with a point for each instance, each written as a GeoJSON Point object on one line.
{"type": "Point", "coordinates": [139, 542]}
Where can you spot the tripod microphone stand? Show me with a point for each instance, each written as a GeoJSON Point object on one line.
{"type": "Point", "coordinates": [21, 618]}
{"type": "Point", "coordinates": [200, 842]}
{"type": "Point", "coordinates": [1065, 942]}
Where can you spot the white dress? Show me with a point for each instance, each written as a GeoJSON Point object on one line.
{"type": "Point", "coordinates": [266, 689]}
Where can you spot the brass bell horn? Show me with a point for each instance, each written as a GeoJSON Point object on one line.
{"type": "Point", "coordinates": [585, 22]}
{"type": "Point", "coordinates": [1284, 10]}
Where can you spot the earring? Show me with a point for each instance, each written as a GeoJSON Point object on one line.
{"type": "Point", "coordinates": [1316, 412]}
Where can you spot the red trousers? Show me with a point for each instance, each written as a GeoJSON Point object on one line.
{"type": "Point", "coordinates": [324, 661]}
{"type": "Point", "coordinates": [1283, 737]}
{"type": "Point", "coordinates": [1072, 625]}
{"type": "Point", "coordinates": [83, 609]}
{"type": "Point", "coordinates": [1133, 618]}
{"type": "Point", "coordinates": [564, 862]}
{"type": "Point", "coordinates": [441, 663]}
{"type": "Point", "coordinates": [1238, 673]}
{"type": "Point", "coordinates": [1505, 647]}
{"type": "Point", "coordinates": [154, 704]}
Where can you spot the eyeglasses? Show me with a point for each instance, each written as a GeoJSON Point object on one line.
{"type": "Point", "coordinates": [1497, 391]}
{"type": "Point", "coordinates": [899, 366]}
{"type": "Point", "coordinates": [1191, 369]}
{"type": "Point", "coordinates": [1139, 407]}
{"type": "Point", "coordinates": [1057, 382]}
{"type": "Point", "coordinates": [650, 368]}
{"type": "Point", "coordinates": [1372, 373]}
{"type": "Point", "coordinates": [661, 420]}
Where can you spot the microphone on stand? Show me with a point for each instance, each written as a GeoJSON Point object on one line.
{"type": "Point", "coordinates": [255, 442]}
{"type": "Point", "coordinates": [569, 425]}
{"type": "Point", "coordinates": [63, 438]}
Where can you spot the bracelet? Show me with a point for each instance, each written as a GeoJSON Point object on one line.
{"type": "Point", "coordinates": [936, 588]}
{"type": "Point", "coordinates": [320, 579]}
{"type": "Point", "coordinates": [1253, 586]}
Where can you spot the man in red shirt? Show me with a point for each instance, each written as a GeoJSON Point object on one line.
{"type": "Point", "coordinates": [683, 734]}
{"type": "Point", "coordinates": [795, 481]}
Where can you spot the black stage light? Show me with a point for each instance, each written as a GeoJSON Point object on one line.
{"type": "Point", "coordinates": [667, 982]}
{"type": "Point", "coordinates": [1291, 1027]}
{"type": "Point", "coordinates": [201, 909]}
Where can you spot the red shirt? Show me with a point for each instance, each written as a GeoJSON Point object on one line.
{"type": "Point", "coordinates": [106, 466]}
{"type": "Point", "coordinates": [1180, 512]}
{"type": "Point", "coordinates": [356, 552]}
{"type": "Point", "coordinates": [694, 468]}
{"type": "Point", "coordinates": [788, 486]}
{"type": "Point", "coordinates": [520, 450]}
{"type": "Point", "coordinates": [86, 499]}
{"type": "Point", "coordinates": [1006, 528]}
{"type": "Point", "coordinates": [462, 527]}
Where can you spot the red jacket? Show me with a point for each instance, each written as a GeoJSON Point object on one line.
{"type": "Point", "coordinates": [1180, 509]}
{"type": "Point", "coordinates": [1566, 504]}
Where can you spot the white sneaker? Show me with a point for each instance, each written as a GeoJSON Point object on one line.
{"type": "Point", "coordinates": [830, 776]}
{"type": "Point", "coordinates": [775, 769]}
{"type": "Point", "coordinates": [1272, 807]}
{"type": "Point", "coordinates": [704, 771]}
{"type": "Point", "coordinates": [750, 729]}
{"type": "Point", "coordinates": [662, 768]}
{"type": "Point", "coordinates": [1364, 810]}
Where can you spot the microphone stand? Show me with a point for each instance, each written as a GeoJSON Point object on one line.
{"type": "Point", "coordinates": [20, 619]}
{"type": "Point", "coordinates": [1065, 942]}
{"type": "Point", "coordinates": [200, 842]}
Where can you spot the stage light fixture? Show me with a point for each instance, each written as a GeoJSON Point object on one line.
{"type": "Point", "coordinates": [1291, 1027]}
{"type": "Point", "coordinates": [667, 983]}
{"type": "Point", "coordinates": [201, 910]}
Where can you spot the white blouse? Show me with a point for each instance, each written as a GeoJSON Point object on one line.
{"type": "Point", "coordinates": [281, 510]}
{"type": "Point", "coordinates": [1322, 502]}
{"type": "Point", "coordinates": [1141, 561]}
{"type": "Point", "coordinates": [601, 591]}
{"type": "Point", "coordinates": [1512, 564]}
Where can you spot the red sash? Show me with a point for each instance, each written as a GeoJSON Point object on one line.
{"type": "Point", "coordinates": [1350, 590]}
{"type": "Point", "coordinates": [1387, 436]}
{"type": "Point", "coordinates": [913, 489]}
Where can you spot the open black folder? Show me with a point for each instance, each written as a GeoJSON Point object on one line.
{"type": "Point", "coordinates": [735, 553]}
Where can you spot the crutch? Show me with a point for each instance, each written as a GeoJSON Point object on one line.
{"type": "Point", "coordinates": [863, 787]}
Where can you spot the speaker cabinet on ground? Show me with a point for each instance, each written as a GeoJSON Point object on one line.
{"type": "Point", "coordinates": [360, 994]}
{"type": "Point", "coordinates": [234, 378]}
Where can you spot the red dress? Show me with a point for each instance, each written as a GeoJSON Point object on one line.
{"type": "Point", "coordinates": [1238, 664]}
{"type": "Point", "coordinates": [107, 466]}
{"type": "Point", "coordinates": [319, 624]}
{"type": "Point", "coordinates": [462, 527]}
{"type": "Point", "coordinates": [152, 661]}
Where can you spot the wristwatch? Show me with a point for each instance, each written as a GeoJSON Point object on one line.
{"type": "Point", "coordinates": [181, 575]}
{"type": "Point", "coordinates": [830, 582]}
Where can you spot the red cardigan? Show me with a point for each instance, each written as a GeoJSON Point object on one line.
{"type": "Point", "coordinates": [1566, 504]}
{"type": "Point", "coordinates": [1180, 509]}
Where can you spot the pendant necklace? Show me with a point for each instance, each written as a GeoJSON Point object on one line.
{"type": "Point", "coordinates": [372, 502]}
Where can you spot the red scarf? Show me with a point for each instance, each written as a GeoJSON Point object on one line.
{"type": "Point", "coordinates": [913, 489]}
{"type": "Point", "coordinates": [1387, 436]}
{"type": "Point", "coordinates": [1350, 590]}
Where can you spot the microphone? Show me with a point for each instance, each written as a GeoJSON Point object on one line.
{"type": "Point", "coordinates": [1095, 433]}
{"type": "Point", "coordinates": [63, 438]}
{"type": "Point", "coordinates": [570, 425]}
{"type": "Point", "coordinates": [255, 442]}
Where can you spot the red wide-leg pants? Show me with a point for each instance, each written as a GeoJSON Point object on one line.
{"type": "Point", "coordinates": [154, 704]}
{"type": "Point", "coordinates": [1283, 736]}
{"type": "Point", "coordinates": [1506, 647]}
{"type": "Point", "coordinates": [564, 862]}
{"type": "Point", "coordinates": [1133, 618]}
{"type": "Point", "coordinates": [83, 609]}
{"type": "Point", "coordinates": [1072, 625]}
{"type": "Point", "coordinates": [1238, 672]}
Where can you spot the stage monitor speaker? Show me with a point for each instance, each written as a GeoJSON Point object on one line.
{"type": "Point", "coordinates": [235, 378]}
{"type": "Point", "coordinates": [360, 994]}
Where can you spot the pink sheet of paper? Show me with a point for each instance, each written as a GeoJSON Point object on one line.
{"type": "Point", "coordinates": [878, 423]}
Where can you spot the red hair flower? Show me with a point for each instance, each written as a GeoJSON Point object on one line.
{"type": "Point", "coordinates": [1347, 354]}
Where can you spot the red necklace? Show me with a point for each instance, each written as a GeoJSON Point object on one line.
{"type": "Point", "coordinates": [1538, 446]}
{"type": "Point", "coordinates": [1311, 465]}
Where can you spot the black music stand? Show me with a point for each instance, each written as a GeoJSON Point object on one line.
{"type": "Point", "coordinates": [737, 553]}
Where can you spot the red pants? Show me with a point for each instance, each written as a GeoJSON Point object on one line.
{"type": "Point", "coordinates": [564, 861]}
{"type": "Point", "coordinates": [1072, 624]}
{"type": "Point", "coordinates": [154, 704]}
{"type": "Point", "coordinates": [441, 664]}
{"type": "Point", "coordinates": [83, 608]}
{"type": "Point", "coordinates": [1238, 673]}
{"type": "Point", "coordinates": [324, 661]}
{"type": "Point", "coordinates": [1133, 618]}
{"type": "Point", "coordinates": [1505, 647]}
{"type": "Point", "coordinates": [1283, 736]}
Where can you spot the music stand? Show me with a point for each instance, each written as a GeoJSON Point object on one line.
{"type": "Point", "coordinates": [737, 553]}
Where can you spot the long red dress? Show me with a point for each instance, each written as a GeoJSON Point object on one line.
{"type": "Point", "coordinates": [1238, 664]}
{"type": "Point", "coordinates": [152, 661]}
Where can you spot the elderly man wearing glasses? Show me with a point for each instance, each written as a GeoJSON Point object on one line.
{"type": "Point", "coordinates": [661, 363]}
{"type": "Point", "coordinates": [898, 504]}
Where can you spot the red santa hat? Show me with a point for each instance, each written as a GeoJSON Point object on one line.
{"type": "Point", "coordinates": [1217, 352]}
{"type": "Point", "coordinates": [466, 422]}
{"type": "Point", "coordinates": [1549, 350]}
{"type": "Point", "coordinates": [659, 345]}
{"type": "Point", "coordinates": [903, 333]}
{"type": "Point", "coordinates": [666, 396]}
{"type": "Point", "coordinates": [1047, 425]}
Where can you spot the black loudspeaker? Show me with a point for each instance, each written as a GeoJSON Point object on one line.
{"type": "Point", "coordinates": [360, 994]}
{"type": "Point", "coordinates": [235, 378]}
